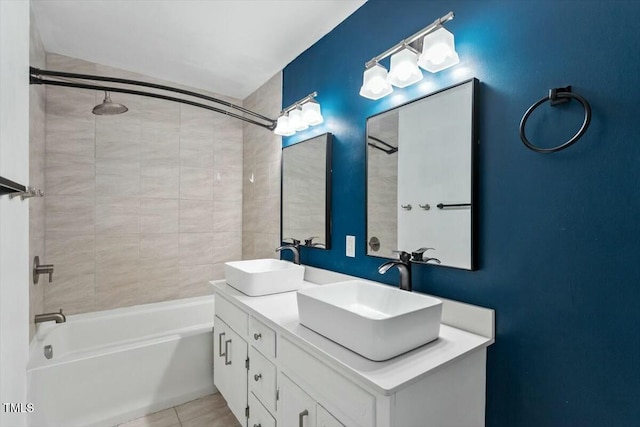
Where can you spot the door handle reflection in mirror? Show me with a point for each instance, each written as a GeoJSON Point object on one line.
{"type": "Point", "coordinates": [301, 416]}
{"type": "Point", "coordinates": [226, 352]}
{"type": "Point", "coordinates": [220, 353]}
{"type": "Point", "coordinates": [406, 207]}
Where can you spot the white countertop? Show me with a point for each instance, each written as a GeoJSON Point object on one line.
{"type": "Point", "coordinates": [280, 311]}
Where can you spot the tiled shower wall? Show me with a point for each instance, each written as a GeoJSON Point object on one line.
{"type": "Point", "coordinates": [141, 207]}
{"type": "Point", "coordinates": [37, 58]}
{"type": "Point", "coordinates": [262, 168]}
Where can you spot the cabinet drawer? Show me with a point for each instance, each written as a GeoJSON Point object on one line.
{"type": "Point", "coordinates": [232, 315]}
{"type": "Point", "coordinates": [258, 415]}
{"type": "Point", "coordinates": [327, 386]}
{"type": "Point", "coordinates": [262, 378]}
{"type": "Point", "coordinates": [262, 337]}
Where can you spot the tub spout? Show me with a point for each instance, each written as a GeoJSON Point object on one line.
{"type": "Point", "coordinates": [46, 317]}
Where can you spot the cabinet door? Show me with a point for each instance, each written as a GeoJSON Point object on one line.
{"type": "Point", "coordinates": [325, 419]}
{"type": "Point", "coordinates": [296, 408]}
{"type": "Point", "coordinates": [230, 372]}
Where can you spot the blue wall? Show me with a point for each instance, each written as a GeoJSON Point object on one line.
{"type": "Point", "coordinates": [559, 233]}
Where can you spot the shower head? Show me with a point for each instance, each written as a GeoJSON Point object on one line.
{"type": "Point", "coordinates": [108, 107]}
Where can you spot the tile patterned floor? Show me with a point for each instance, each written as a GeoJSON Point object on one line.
{"type": "Point", "coordinates": [208, 411]}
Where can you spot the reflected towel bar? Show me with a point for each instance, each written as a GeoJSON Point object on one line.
{"type": "Point", "coordinates": [454, 205]}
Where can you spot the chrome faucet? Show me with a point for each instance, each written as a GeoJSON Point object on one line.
{"type": "Point", "coordinates": [293, 248]}
{"type": "Point", "coordinates": [46, 317]}
{"type": "Point", "coordinates": [404, 267]}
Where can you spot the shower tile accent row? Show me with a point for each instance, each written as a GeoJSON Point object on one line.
{"type": "Point", "coordinates": [140, 207]}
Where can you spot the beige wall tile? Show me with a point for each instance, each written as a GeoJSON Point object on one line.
{"type": "Point", "coordinates": [117, 215]}
{"type": "Point", "coordinates": [67, 174]}
{"type": "Point", "coordinates": [37, 138]}
{"type": "Point", "coordinates": [227, 215]}
{"type": "Point", "coordinates": [196, 248]}
{"type": "Point", "coordinates": [194, 280]}
{"type": "Point", "coordinates": [159, 216]}
{"type": "Point", "coordinates": [71, 254]}
{"type": "Point", "coordinates": [159, 179]}
{"type": "Point", "coordinates": [73, 294]}
{"type": "Point", "coordinates": [73, 214]}
{"type": "Point", "coordinates": [196, 216]}
{"type": "Point", "coordinates": [196, 183]}
{"type": "Point", "coordinates": [262, 152]}
{"type": "Point", "coordinates": [227, 246]}
{"type": "Point", "coordinates": [159, 250]}
{"type": "Point", "coordinates": [132, 211]}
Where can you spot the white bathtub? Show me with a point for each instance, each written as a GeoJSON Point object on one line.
{"type": "Point", "coordinates": [116, 365]}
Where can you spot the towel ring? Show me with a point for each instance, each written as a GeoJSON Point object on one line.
{"type": "Point", "coordinates": [557, 96]}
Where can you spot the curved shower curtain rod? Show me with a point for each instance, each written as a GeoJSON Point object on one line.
{"type": "Point", "coordinates": [35, 77]}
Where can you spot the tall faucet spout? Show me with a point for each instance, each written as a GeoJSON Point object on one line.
{"type": "Point", "coordinates": [292, 248]}
{"type": "Point", "coordinates": [403, 268]}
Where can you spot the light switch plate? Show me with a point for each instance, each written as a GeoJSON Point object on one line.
{"type": "Point", "coordinates": [351, 246]}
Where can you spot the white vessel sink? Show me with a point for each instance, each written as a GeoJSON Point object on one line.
{"type": "Point", "coordinates": [376, 321]}
{"type": "Point", "coordinates": [263, 276]}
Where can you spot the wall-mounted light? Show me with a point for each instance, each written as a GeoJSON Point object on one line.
{"type": "Point", "coordinates": [299, 116]}
{"type": "Point", "coordinates": [436, 54]}
{"type": "Point", "coordinates": [375, 84]}
{"type": "Point", "coordinates": [439, 51]}
{"type": "Point", "coordinates": [404, 68]}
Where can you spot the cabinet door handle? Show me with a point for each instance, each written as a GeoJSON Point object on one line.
{"type": "Point", "coordinates": [257, 336]}
{"type": "Point", "coordinates": [226, 352]}
{"type": "Point", "coordinates": [301, 416]}
{"type": "Point", "coordinates": [220, 353]}
{"type": "Point", "coordinates": [257, 425]}
{"type": "Point", "coordinates": [257, 377]}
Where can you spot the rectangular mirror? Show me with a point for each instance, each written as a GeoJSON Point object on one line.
{"type": "Point", "coordinates": [420, 177]}
{"type": "Point", "coordinates": [306, 193]}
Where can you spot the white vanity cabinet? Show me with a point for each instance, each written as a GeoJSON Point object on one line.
{"type": "Point", "coordinates": [230, 372]}
{"type": "Point", "coordinates": [295, 377]}
{"type": "Point", "coordinates": [298, 409]}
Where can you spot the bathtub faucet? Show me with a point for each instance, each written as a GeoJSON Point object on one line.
{"type": "Point", "coordinates": [46, 317]}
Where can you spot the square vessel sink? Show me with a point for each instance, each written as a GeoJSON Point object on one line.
{"type": "Point", "coordinates": [376, 321]}
{"type": "Point", "coordinates": [263, 276]}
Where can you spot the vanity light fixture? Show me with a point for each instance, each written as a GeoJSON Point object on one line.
{"type": "Point", "coordinates": [439, 51]}
{"type": "Point", "coordinates": [375, 84]}
{"type": "Point", "coordinates": [404, 68]}
{"type": "Point", "coordinates": [299, 116]}
{"type": "Point", "coordinates": [436, 54]}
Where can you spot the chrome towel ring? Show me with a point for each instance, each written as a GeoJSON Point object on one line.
{"type": "Point", "coordinates": [557, 96]}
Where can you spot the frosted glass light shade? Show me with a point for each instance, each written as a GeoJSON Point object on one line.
{"type": "Point", "coordinates": [283, 127]}
{"type": "Point", "coordinates": [438, 51]}
{"type": "Point", "coordinates": [296, 121]}
{"type": "Point", "coordinates": [374, 83]}
{"type": "Point", "coordinates": [311, 113]}
{"type": "Point", "coordinates": [404, 68]}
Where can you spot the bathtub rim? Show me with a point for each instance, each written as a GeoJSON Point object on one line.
{"type": "Point", "coordinates": [34, 363]}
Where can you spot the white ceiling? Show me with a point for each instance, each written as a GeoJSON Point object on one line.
{"type": "Point", "coordinates": [230, 47]}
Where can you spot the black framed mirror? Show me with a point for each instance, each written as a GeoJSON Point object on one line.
{"type": "Point", "coordinates": [306, 193]}
{"type": "Point", "coordinates": [421, 186]}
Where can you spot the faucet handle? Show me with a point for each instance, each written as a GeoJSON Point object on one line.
{"type": "Point", "coordinates": [418, 254]}
{"type": "Point", "coordinates": [309, 241]}
{"type": "Point", "coordinates": [402, 256]}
